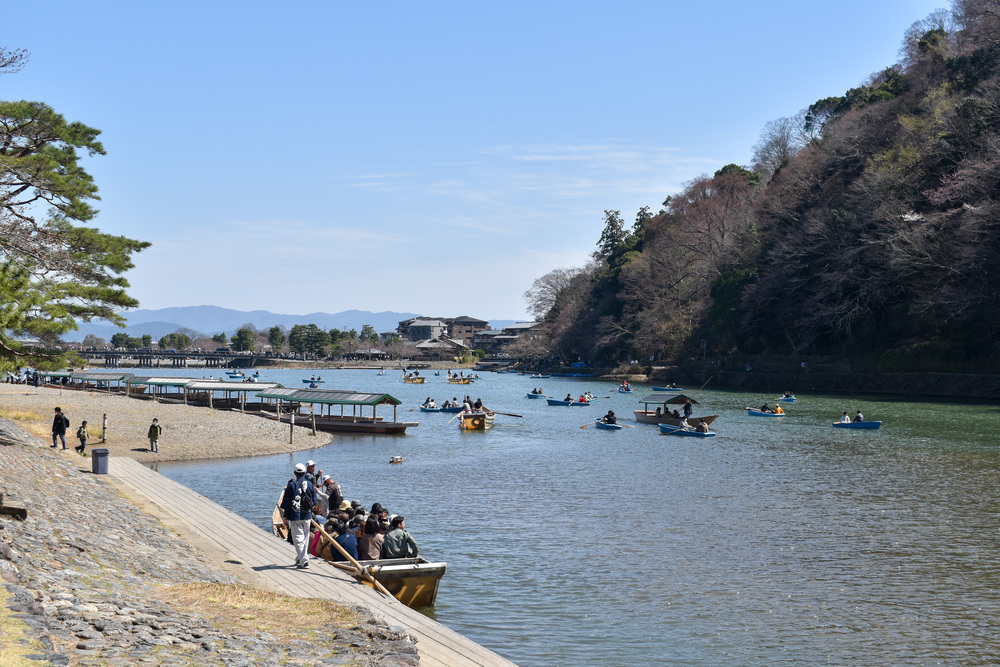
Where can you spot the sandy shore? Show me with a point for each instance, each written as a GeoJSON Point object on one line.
{"type": "Point", "coordinates": [189, 433]}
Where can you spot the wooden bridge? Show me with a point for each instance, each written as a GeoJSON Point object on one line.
{"type": "Point", "coordinates": [263, 560]}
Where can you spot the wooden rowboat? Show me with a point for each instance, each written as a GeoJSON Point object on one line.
{"type": "Point", "coordinates": [413, 380]}
{"type": "Point", "coordinates": [608, 427]}
{"type": "Point", "coordinates": [871, 424]}
{"type": "Point", "coordinates": [650, 417]}
{"type": "Point", "coordinates": [412, 581]}
{"type": "Point", "coordinates": [476, 421]}
{"type": "Point", "coordinates": [459, 380]}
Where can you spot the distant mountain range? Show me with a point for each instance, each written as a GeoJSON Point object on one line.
{"type": "Point", "coordinates": [210, 320]}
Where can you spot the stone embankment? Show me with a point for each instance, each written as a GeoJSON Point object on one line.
{"type": "Point", "coordinates": [88, 579]}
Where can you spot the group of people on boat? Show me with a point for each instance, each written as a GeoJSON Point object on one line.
{"type": "Point", "coordinates": [364, 535]}
{"type": "Point", "coordinates": [700, 427]}
{"type": "Point", "coordinates": [625, 386]}
{"type": "Point", "coordinates": [846, 418]}
{"type": "Point", "coordinates": [776, 410]}
{"type": "Point", "coordinates": [610, 418]}
{"type": "Point", "coordinates": [537, 391]}
{"type": "Point", "coordinates": [788, 394]}
{"type": "Point", "coordinates": [586, 397]}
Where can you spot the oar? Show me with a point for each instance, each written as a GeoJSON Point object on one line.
{"type": "Point", "coordinates": [361, 571]}
{"type": "Point", "coordinates": [587, 424]}
{"type": "Point", "coordinates": [509, 414]}
{"type": "Point", "coordinates": [455, 417]}
{"type": "Point", "coordinates": [703, 386]}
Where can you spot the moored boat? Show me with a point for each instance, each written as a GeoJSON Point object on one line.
{"type": "Point", "coordinates": [412, 581]}
{"type": "Point", "coordinates": [871, 424]}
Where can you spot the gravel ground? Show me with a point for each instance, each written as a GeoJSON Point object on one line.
{"type": "Point", "coordinates": [188, 432]}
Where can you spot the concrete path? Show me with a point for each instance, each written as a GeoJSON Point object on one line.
{"type": "Point", "coordinates": [264, 560]}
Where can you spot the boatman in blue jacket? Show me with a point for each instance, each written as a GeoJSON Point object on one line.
{"type": "Point", "coordinates": [297, 504]}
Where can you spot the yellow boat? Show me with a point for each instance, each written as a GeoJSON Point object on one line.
{"type": "Point", "coordinates": [460, 380]}
{"type": "Point", "coordinates": [413, 380]}
{"type": "Point", "coordinates": [412, 581]}
{"type": "Point", "coordinates": [476, 421]}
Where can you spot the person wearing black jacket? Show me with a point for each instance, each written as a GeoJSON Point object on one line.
{"type": "Point", "coordinates": [59, 425]}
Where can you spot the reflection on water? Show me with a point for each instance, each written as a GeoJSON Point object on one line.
{"type": "Point", "coordinates": [780, 541]}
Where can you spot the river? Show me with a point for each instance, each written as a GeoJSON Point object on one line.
{"type": "Point", "coordinates": [780, 541]}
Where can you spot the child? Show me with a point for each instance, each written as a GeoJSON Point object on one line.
{"type": "Point", "coordinates": [154, 436]}
{"type": "Point", "coordinates": [83, 435]}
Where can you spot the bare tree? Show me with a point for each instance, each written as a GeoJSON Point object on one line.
{"type": "Point", "coordinates": [780, 140]}
{"type": "Point", "coordinates": [545, 291]}
{"type": "Point", "coordinates": [12, 60]}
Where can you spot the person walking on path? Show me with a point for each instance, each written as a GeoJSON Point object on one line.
{"type": "Point", "coordinates": [59, 425]}
{"type": "Point", "coordinates": [297, 504]}
{"type": "Point", "coordinates": [154, 435]}
{"type": "Point", "coordinates": [82, 434]}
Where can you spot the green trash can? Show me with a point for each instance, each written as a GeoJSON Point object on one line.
{"type": "Point", "coordinates": [99, 461]}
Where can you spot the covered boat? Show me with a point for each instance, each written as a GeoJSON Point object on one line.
{"type": "Point", "coordinates": [659, 416]}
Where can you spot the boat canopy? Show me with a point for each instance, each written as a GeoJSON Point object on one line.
{"type": "Point", "coordinates": [160, 381]}
{"type": "Point", "coordinates": [223, 385]}
{"type": "Point", "coordinates": [329, 396]}
{"type": "Point", "coordinates": [671, 398]}
{"type": "Point", "coordinates": [94, 376]}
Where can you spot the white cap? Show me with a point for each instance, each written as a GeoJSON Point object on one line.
{"type": "Point", "coordinates": [310, 463]}
{"type": "Point", "coordinates": [299, 467]}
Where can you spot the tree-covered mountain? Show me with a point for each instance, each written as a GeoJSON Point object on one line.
{"type": "Point", "coordinates": [866, 227]}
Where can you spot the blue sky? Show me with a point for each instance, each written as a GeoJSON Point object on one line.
{"type": "Point", "coordinates": [419, 157]}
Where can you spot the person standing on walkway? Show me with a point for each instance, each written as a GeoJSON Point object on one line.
{"type": "Point", "coordinates": [59, 425]}
{"type": "Point", "coordinates": [154, 435]}
{"type": "Point", "coordinates": [297, 504]}
{"type": "Point", "coordinates": [82, 434]}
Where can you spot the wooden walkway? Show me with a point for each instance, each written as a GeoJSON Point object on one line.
{"type": "Point", "coordinates": [268, 560]}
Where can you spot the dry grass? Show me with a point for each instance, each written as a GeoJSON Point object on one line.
{"type": "Point", "coordinates": [251, 610]}
{"type": "Point", "coordinates": [31, 421]}
{"type": "Point", "coordinates": [14, 645]}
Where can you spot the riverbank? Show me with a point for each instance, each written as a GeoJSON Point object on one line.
{"type": "Point", "coordinates": [88, 578]}
{"type": "Point", "coordinates": [189, 433]}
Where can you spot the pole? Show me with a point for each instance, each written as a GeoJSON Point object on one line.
{"type": "Point", "coordinates": [291, 428]}
{"type": "Point", "coordinates": [104, 429]}
{"type": "Point", "coordinates": [361, 572]}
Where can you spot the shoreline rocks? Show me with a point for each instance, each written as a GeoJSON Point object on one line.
{"type": "Point", "coordinates": [84, 576]}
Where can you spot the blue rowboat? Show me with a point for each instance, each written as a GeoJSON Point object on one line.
{"type": "Point", "coordinates": [609, 427]}
{"type": "Point", "coordinates": [314, 381]}
{"type": "Point", "coordinates": [787, 399]}
{"type": "Point", "coordinates": [872, 424]}
{"type": "Point", "coordinates": [622, 390]}
{"type": "Point", "coordinates": [677, 389]}
{"type": "Point", "coordinates": [754, 412]}
{"type": "Point", "coordinates": [669, 429]}
{"type": "Point", "coordinates": [553, 401]}
{"type": "Point", "coordinates": [423, 409]}
{"type": "Point", "coordinates": [454, 408]}
{"type": "Point", "coordinates": [535, 396]}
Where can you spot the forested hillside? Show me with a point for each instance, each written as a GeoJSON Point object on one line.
{"type": "Point", "coordinates": [867, 227]}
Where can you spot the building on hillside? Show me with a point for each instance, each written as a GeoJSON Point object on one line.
{"type": "Point", "coordinates": [439, 348]}
{"type": "Point", "coordinates": [465, 328]}
{"type": "Point", "coordinates": [422, 328]}
{"type": "Point", "coordinates": [493, 342]}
